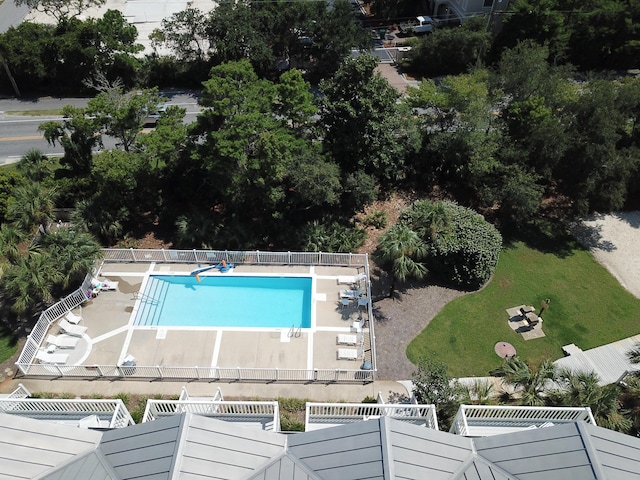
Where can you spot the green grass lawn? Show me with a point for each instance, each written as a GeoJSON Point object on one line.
{"type": "Point", "coordinates": [588, 307]}
{"type": "Point", "coordinates": [7, 347]}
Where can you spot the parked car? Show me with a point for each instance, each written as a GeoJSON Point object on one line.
{"type": "Point", "coordinates": [152, 117]}
{"type": "Point", "coordinates": [419, 26]}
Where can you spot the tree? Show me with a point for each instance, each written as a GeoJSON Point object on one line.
{"type": "Point", "coordinates": [467, 254]}
{"type": "Point", "coordinates": [531, 382]}
{"type": "Point", "coordinates": [595, 172]}
{"type": "Point", "coordinates": [581, 389]}
{"type": "Point", "coordinates": [539, 21]}
{"type": "Point", "coordinates": [402, 249]}
{"type": "Point", "coordinates": [634, 354]}
{"type": "Point", "coordinates": [235, 33]}
{"type": "Point", "coordinates": [184, 34]}
{"type": "Point", "coordinates": [294, 100]}
{"type": "Point", "coordinates": [366, 130]}
{"type": "Point", "coordinates": [30, 282]}
{"type": "Point", "coordinates": [74, 252]}
{"type": "Point", "coordinates": [630, 402]}
{"type": "Point", "coordinates": [32, 208]}
{"type": "Point", "coordinates": [25, 49]}
{"type": "Point", "coordinates": [448, 51]}
{"type": "Point", "coordinates": [10, 239]}
{"type": "Point", "coordinates": [122, 114]}
{"type": "Point", "coordinates": [8, 181]}
{"type": "Point", "coordinates": [78, 134]}
{"type": "Point", "coordinates": [433, 385]}
{"type": "Point", "coordinates": [35, 166]}
{"type": "Point", "coordinates": [60, 9]}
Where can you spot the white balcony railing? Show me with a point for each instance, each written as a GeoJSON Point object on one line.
{"type": "Point", "coordinates": [264, 415]}
{"type": "Point", "coordinates": [324, 415]}
{"type": "Point", "coordinates": [486, 420]}
{"type": "Point", "coordinates": [111, 413]}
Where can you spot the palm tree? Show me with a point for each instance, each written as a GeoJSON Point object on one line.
{"type": "Point", "coordinates": [403, 249]}
{"type": "Point", "coordinates": [429, 219]}
{"type": "Point", "coordinates": [90, 217]}
{"type": "Point", "coordinates": [33, 207]}
{"type": "Point", "coordinates": [634, 354]}
{"type": "Point", "coordinates": [630, 402]}
{"type": "Point", "coordinates": [531, 383]}
{"type": "Point", "coordinates": [10, 239]}
{"type": "Point", "coordinates": [582, 389]}
{"type": "Point", "coordinates": [75, 253]}
{"type": "Point", "coordinates": [480, 392]}
{"type": "Point", "coordinates": [29, 282]}
{"type": "Point", "coordinates": [34, 165]}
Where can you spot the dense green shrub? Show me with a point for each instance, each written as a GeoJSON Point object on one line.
{"type": "Point", "coordinates": [469, 254]}
{"type": "Point", "coordinates": [463, 247]}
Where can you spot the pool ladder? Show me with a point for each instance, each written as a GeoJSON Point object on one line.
{"type": "Point", "coordinates": [145, 298]}
{"type": "Point", "coordinates": [293, 332]}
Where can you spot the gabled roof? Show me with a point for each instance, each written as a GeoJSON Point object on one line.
{"type": "Point", "coordinates": [30, 448]}
{"type": "Point", "coordinates": [190, 447]}
{"type": "Point", "coordinates": [570, 451]}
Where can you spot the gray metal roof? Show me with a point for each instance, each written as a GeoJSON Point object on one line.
{"type": "Point", "coordinates": [570, 451]}
{"type": "Point", "coordinates": [91, 465]}
{"type": "Point", "coordinates": [190, 447]}
{"type": "Point", "coordinates": [30, 448]}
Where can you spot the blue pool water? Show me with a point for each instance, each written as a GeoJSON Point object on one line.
{"type": "Point", "coordinates": [225, 301]}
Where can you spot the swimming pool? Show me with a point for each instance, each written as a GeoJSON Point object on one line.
{"type": "Point", "coordinates": [225, 301]}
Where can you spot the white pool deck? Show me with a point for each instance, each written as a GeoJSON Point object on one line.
{"type": "Point", "coordinates": [111, 335]}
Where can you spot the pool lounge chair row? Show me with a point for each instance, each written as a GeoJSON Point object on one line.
{"type": "Point", "coordinates": [350, 339]}
{"type": "Point", "coordinates": [52, 357]}
{"type": "Point", "coordinates": [70, 329]}
{"type": "Point", "coordinates": [350, 353]}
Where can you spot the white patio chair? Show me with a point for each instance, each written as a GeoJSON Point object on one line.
{"type": "Point", "coordinates": [75, 330]}
{"type": "Point", "coordinates": [109, 285]}
{"type": "Point", "coordinates": [350, 353]}
{"type": "Point", "coordinates": [348, 339]}
{"type": "Point", "coordinates": [62, 341]}
{"type": "Point", "coordinates": [73, 318]}
{"type": "Point", "coordinates": [52, 358]}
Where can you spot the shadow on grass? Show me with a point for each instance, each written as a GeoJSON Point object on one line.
{"type": "Point", "coordinates": [544, 235]}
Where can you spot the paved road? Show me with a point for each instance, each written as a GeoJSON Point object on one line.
{"type": "Point", "coordinates": [19, 134]}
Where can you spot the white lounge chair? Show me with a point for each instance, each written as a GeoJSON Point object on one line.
{"type": "Point", "coordinates": [349, 353]}
{"type": "Point", "coordinates": [73, 318]}
{"type": "Point", "coordinates": [350, 293]}
{"type": "Point", "coordinates": [349, 339]}
{"type": "Point", "coordinates": [47, 357]}
{"type": "Point", "coordinates": [62, 341]}
{"type": "Point", "coordinates": [109, 285]}
{"type": "Point", "coordinates": [75, 330]}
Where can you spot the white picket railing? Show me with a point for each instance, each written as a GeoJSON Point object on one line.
{"type": "Point", "coordinates": [113, 413]}
{"type": "Point", "coordinates": [482, 420]}
{"type": "Point", "coordinates": [141, 372]}
{"type": "Point", "coordinates": [254, 257]}
{"type": "Point", "coordinates": [266, 415]}
{"type": "Point", "coordinates": [323, 415]}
